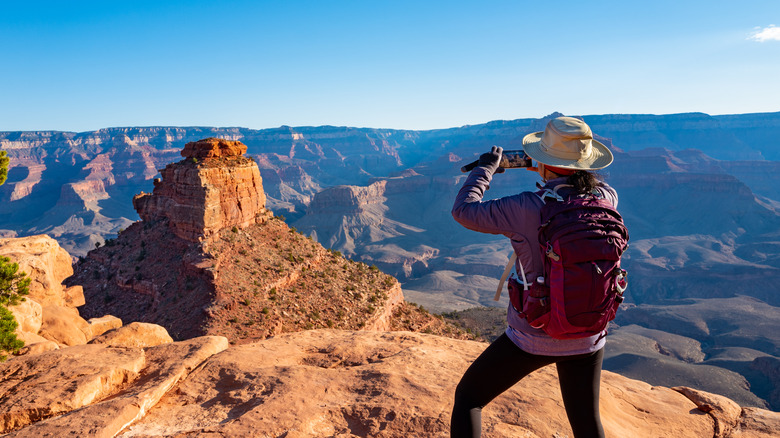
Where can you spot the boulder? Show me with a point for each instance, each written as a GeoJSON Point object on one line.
{"type": "Point", "coordinates": [35, 344]}
{"type": "Point", "coordinates": [104, 324]}
{"type": "Point", "coordinates": [135, 334]}
{"type": "Point", "coordinates": [64, 326]}
{"type": "Point", "coordinates": [73, 296]}
{"type": "Point", "coordinates": [29, 316]}
{"type": "Point", "coordinates": [45, 262]}
{"type": "Point", "coordinates": [757, 423]}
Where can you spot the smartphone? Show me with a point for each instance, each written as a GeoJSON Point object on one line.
{"type": "Point", "coordinates": [511, 159]}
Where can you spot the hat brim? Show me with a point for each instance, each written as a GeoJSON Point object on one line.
{"type": "Point", "coordinates": [600, 158]}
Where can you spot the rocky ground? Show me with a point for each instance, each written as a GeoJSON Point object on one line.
{"type": "Point", "coordinates": [319, 383]}
{"type": "Point", "coordinates": [272, 279]}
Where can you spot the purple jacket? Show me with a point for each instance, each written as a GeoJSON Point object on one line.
{"type": "Point", "coordinates": [518, 218]}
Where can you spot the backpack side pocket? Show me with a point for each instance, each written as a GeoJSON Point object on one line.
{"type": "Point", "coordinates": [515, 294]}
{"type": "Point", "coordinates": [536, 305]}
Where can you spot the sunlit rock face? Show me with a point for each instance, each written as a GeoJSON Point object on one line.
{"type": "Point", "coordinates": [47, 265]}
{"type": "Point", "coordinates": [213, 188]}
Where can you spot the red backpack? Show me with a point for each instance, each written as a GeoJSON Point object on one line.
{"type": "Point", "coordinates": [582, 238]}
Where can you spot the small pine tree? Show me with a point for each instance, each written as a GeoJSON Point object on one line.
{"type": "Point", "coordinates": [14, 286]}
{"type": "Point", "coordinates": [4, 160]}
{"type": "Point", "coordinates": [8, 341]}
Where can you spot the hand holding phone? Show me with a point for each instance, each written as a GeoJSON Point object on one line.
{"type": "Point", "coordinates": [509, 160]}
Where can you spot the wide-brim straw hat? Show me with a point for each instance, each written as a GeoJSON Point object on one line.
{"type": "Point", "coordinates": [567, 143]}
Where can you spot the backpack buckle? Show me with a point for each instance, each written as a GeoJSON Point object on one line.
{"type": "Point", "coordinates": [549, 252]}
{"type": "Point", "coordinates": [621, 284]}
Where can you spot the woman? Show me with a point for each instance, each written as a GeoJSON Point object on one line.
{"type": "Point", "coordinates": [565, 153]}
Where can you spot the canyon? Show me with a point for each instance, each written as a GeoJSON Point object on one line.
{"type": "Point", "coordinates": [699, 194]}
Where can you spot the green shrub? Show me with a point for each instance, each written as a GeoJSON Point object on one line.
{"type": "Point", "coordinates": [14, 285]}
{"type": "Point", "coordinates": [8, 341]}
{"type": "Point", "coordinates": [4, 162]}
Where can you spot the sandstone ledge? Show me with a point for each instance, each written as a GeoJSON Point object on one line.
{"type": "Point", "coordinates": [159, 370]}
{"type": "Point", "coordinates": [334, 383]}
{"type": "Point", "coordinates": [393, 384]}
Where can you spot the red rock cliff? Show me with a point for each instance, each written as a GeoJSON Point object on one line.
{"type": "Point", "coordinates": [215, 187]}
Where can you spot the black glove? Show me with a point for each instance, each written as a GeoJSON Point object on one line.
{"type": "Point", "coordinates": [490, 160]}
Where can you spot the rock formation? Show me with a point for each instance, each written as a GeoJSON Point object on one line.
{"type": "Point", "coordinates": [215, 188]}
{"type": "Point", "coordinates": [207, 259]}
{"type": "Point", "coordinates": [47, 265]}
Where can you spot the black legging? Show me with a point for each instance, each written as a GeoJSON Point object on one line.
{"type": "Point", "coordinates": [503, 364]}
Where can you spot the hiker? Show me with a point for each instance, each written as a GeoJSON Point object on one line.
{"type": "Point", "coordinates": [564, 154]}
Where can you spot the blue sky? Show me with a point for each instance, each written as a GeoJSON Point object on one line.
{"type": "Point", "coordinates": [86, 65]}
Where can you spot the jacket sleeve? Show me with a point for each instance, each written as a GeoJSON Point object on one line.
{"type": "Point", "coordinates": [498, 216]}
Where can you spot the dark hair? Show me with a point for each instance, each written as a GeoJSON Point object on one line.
{"type": "Point", "coordinates": [584, 181]}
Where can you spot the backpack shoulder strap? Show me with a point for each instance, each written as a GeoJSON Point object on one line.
{"type": "Point", "coordinates": [597, 193]}
{"type": "Point", "coordinates": [553, 194]}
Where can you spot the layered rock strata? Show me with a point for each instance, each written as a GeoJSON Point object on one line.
{"type": "Point", "coordinates": [214, 187]}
